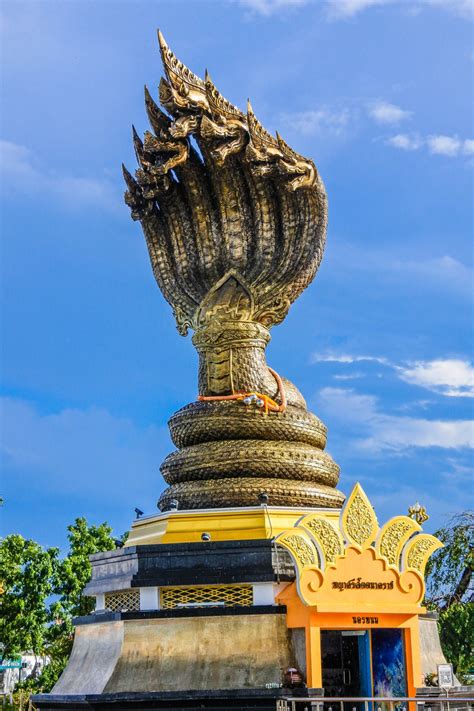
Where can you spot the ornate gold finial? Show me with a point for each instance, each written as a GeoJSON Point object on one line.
{"type": "Point", "coordinates": [418, 513]}
{"type": "Point", "coordinates": [235, 231]}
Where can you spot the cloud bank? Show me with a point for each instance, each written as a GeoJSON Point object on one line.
{"type": "Point", "coordinates": [378, 431]}
{"type": "Point", "coordinates": [323, 121]}
{"type": "Point", "coordinates": [386, 113]}
{"type": "Point", "coordinates": [452, 377]}
{"type": "Point", "coordinates": [77, 451]}
{"type": "Point", "coordinates": [438, 144]}
{"type": "Point", "coordinates": [22, 174]}
{"type": "Point", "coordinates": [347, 9]}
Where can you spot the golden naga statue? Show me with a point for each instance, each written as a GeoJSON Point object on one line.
{"type": "Point", "coordinates": [235, 223]}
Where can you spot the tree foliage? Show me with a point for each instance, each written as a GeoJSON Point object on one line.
{"type": "Point", "coordinates": [27, 582]}
{"type": "Point", "coordinates": [43, 593]}
{"type": "Point", "coordinates": [450, 591]}
{"type": "Point", "coordinates": [74, 571]}
{"type": "Point", "coordinates": [457, 637]}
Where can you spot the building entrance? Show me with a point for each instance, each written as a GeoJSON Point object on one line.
{"type": "Point", "coordinates": [363, 663]}
{"type": "Point", "coordinates": [345, 663]}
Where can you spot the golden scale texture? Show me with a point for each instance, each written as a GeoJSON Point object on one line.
{"type": "Point", "coordinates": [235, 224]}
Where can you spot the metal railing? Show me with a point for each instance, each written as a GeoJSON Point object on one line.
{"type": "Point", "coordinates": [375, 703]}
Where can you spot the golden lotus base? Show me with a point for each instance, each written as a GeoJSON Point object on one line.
{"type": "Point", "coordinates": [228, 454]}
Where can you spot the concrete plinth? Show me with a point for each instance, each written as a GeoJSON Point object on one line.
{"type": "Point", "coordinates": [179, 653]}
{"type": "Point", "coordinates": [183, 659]}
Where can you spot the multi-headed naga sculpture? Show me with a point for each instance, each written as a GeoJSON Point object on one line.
{"type": "Point", "coordinates": [235, 223]}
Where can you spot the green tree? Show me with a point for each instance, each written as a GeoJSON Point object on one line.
{"type": "Point", "coordinates": [74, 571]}
{"type": "Point", "coordinates": [70, 578]}
{"type": "Point", "coordinates": [450, 591]}
{"type": "Point", "coordinates": [27, 572]}
{"type": "Point", "coordinates": [42, 594]}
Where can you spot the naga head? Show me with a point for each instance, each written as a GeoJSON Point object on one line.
{"type": "Point", "coordinates": [234, 219]}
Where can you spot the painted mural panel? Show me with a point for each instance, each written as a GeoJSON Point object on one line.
{"type": "Point", "coordinates": [388, 662]}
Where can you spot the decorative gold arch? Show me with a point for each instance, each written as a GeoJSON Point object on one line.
{"type": "Point", "coordinates": [359, 563]}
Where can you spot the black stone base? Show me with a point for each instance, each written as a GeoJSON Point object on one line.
{"type": "Point", "coordinates": [212, 563]}
{"type": "Point", "coordinates": [237, 699]}
{"type": "Point", "coordinates": [180, 612]}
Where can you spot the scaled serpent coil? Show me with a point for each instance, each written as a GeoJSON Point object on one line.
{"type": "Point", "coordinates": [235, 224]}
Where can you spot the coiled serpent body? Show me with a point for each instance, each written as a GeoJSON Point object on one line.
{"type": "Point", "coordinates": [229, 453]}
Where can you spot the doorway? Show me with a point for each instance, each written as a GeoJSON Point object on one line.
{"type": "Point", "coordinates": [358, 663]}
{"type": "Point", "coordinates": [346, 663]}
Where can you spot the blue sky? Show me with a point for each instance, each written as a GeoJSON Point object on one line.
{"type": "Point", "coordinates": [379, 95]}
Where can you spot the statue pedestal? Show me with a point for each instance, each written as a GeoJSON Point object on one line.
{"type": "Point", "coordinates": [185, 623]}
{"type": "Point", "coordinates": [188, 625]}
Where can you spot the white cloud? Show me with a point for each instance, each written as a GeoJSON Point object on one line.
{"type": "Point", "coordinates": [348, 376]}
{"type": "Point", "coordinates": [441, 275]}
{"type": "Point", "coordinates": [444, 145]}
{"type": "Point", "coordinates": [344, 9]}
{"type": "Point", "coordinates": [78, 451]}
{"type": "Point", "coordinates": [17, 162]}
{"type": "Point", "coordinates": [269, 7]}
{"type": "Point", "coordinates": [405, 142]}
{"type": "Point", "coordinates": [322, 121]}
{"type": "Point", "coordinates": [383, 112]}
{"type": "Point", "coordinates": [442, 270]}
{"type": "Point", "coordinates": [22, 175]}
{"type": "Point", "coordinates": [452, 377]}
{"type": "Point", "coordinates": [415, 404]}
{"type": "Point", "coordinates": [461, 8]}
{"type": "Point", "coordinates": [459, 471]}
{"type": "Point", "coordinates": [450, 146]}
{"type": "Point", "coordinates": [377, 431]}
{"type": "Point", "coordinates": [344, 358]}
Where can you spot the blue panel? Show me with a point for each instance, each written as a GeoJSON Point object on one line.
{"type": "Point", "coordinates": [388, 662]}
{"type": "Point", "coordinates": [364, 665]}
